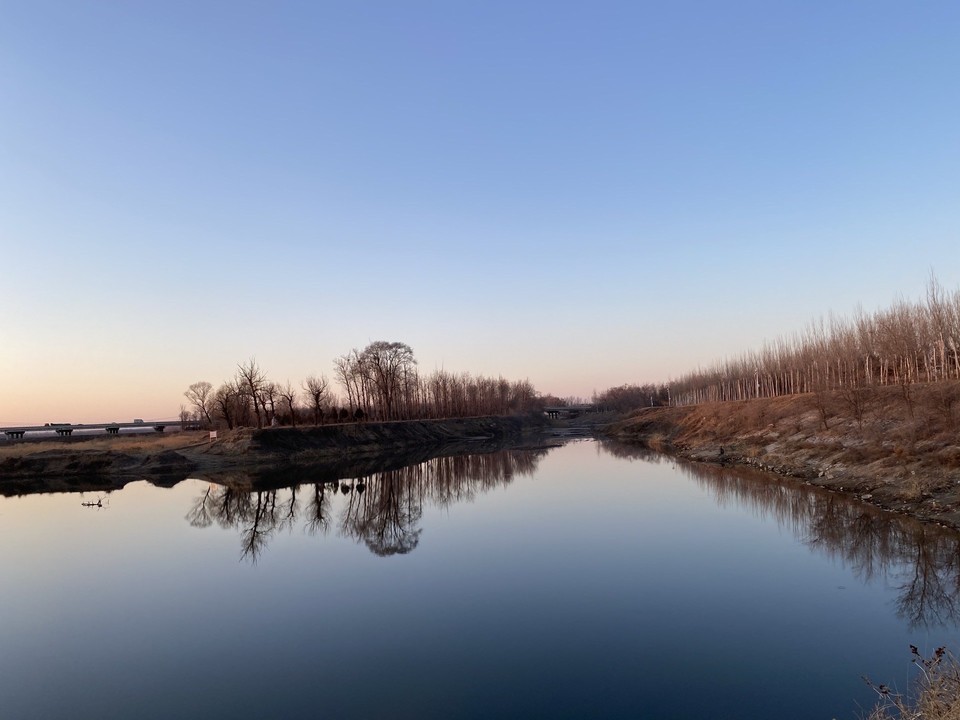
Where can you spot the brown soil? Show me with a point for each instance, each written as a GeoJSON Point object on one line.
{"type": "Point", "coordinates": [904, 455]}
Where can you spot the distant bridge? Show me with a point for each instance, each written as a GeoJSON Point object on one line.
{"type": "Point", "coordinates": [67, 429]}
{"type": "Point", "coordinates": [557, 411]}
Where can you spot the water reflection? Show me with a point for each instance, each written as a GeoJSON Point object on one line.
{"type": "Point", "coordinates": [381, 509]}
{"type": "Point", "coordinates": [922, 561]}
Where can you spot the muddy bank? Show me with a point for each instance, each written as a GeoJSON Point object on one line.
{"type": "Point", "coordinates": [899, 455]}
{"type": "Point", "coordinates": [271, 456]}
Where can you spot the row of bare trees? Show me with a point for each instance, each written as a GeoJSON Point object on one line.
{"type": "Point", "coordinates": [904, 344]}
{"type": "Point", "coordinates": [382, 381]}
{"type": "Point", "coordinates": [249, 398]}
{"type": "Point", "coordinates": [379, 382]}
{"type": "Point", "coordinates": [629, 397]}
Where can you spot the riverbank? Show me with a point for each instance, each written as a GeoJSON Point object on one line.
{"type": "Point", "coordinates": [897, 448]}
{"type": "Point", "coordinates": [270, 454]}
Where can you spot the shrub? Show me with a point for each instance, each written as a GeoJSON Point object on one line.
{"type": "Point", "coordinates": [935, 697]}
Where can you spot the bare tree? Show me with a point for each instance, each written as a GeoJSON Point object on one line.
{"type": "Point", "coordinates": [289, 395]}
{"type": "Point", "coordinates": [225, 401]}
{"type": "Point", "coordinates": [254, 379]}
{"type": "Point", "coordinates": [268, 399]}
{"type": "Point", "coordinates": [200, 395]}
{"type": "Point", "coordinates": [354, 374]}
{"type": "Point", "coordinates": [391, 367]}
{"type": "Point", "coordinates": [316, 389]}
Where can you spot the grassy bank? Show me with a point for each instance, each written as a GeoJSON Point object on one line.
{"type": "Point", "coordinates": [897, 449]}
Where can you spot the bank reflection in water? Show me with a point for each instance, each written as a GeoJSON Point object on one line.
{"type": "Point", "coordinates": [921, 561]}
{"type": "Point", "coordinates": [382, 510]}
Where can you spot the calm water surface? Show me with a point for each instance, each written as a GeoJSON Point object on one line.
{"type": "Point", "coordinates": [571, 582]}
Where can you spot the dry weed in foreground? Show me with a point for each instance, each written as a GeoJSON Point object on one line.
{"type": "Point", "coordinates": [937, 695]}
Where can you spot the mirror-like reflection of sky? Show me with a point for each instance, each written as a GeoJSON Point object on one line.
{"type": "Point", "coordinates": [574, 582]}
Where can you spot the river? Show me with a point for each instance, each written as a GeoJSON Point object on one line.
{"type": "Point", "coordinates": [586, 580]}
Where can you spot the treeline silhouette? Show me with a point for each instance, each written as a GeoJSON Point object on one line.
{"type": "Point", "coordinates": [382, 509]}
{"type": "Point", "coordinates": [624, 398]}
{"type": "Point", "coordinates": [380, 382]}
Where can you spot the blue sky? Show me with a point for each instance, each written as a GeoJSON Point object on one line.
{"type": "Point", "coordinates": [582, 194]}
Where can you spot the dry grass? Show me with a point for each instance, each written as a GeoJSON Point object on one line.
{"type": "Point", "coordinates": [949, 457]}
{"type": "Point", "coordinates": [889, 431]}
{"type": "Point", "coordinates": [906, 456]}
{"type": "Point", "coordinates": [140, 442]}
{"type": "Point", "coordinates": [936, 696]}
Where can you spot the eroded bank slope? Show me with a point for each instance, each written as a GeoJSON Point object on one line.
{"type": "Point", "coordinates": [902, 452]}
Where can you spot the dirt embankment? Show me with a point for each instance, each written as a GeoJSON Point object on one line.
{"type": "Point", "coordinates": [97, 463]}
{"type": "Point", "coordinates": [309, 442]}
{"type": "Point", "coordinates": [902, 453]}
{"type": "Point", "coordinates": [107, 463]}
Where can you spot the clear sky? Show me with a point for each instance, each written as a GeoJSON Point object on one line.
{"type": "Point", "coordinates": [584, 194]}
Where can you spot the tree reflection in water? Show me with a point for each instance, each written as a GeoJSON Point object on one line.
{"type": "Point", "coordinates": [922, 561]}
{"type": "Point", "coordinates": [318, 510]}
{"type": "Point", "coordinates": [383, 509]}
